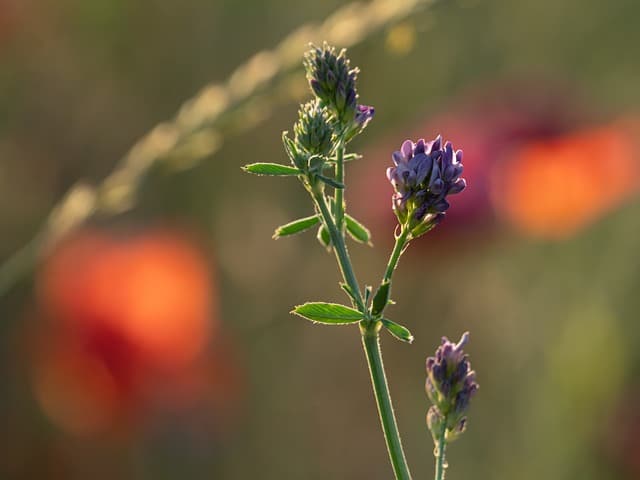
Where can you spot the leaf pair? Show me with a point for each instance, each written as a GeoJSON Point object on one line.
{"type": "Point", "coordinates": [356, 230]}
{"type": "Point", "coordinates": [336, 314]}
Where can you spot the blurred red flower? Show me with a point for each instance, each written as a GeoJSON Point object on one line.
{"type": "Point", "coordinates": [552, 188]}
{"type": "Point", "coordinates": [127, 323]}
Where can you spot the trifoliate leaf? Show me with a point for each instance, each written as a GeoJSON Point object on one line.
{"type": "Point", "coordinates": [297, 226]}
{"type": "Point", "coordinates": [328, 313]}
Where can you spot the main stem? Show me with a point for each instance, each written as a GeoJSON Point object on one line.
{"type": "Point", "coordinates": [339, 196]}
{"type": "Point", "coordinates": [371, 343]}
{"type": "Point", "coordinates": [440, 452]}
{"type": "Point", "coordinates": [340, 249]}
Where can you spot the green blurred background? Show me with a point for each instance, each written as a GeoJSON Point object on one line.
{"type": "Point", "coordinates": [539, 258]}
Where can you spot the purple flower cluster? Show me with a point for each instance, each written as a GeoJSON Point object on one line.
{"type": "Point", "coordinates": [332, 80]}
{"type": "Point", "coordinates": [425, 173]}
{"type": "Point", "coordinates": [450, 385]}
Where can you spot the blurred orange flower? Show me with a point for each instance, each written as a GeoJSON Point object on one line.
{"type": "Point", "coordinates": [552, 188]}
{"type": "Point", "coordinates": [127, 323]}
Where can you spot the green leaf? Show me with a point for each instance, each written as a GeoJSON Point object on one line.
{"type": "Point", "coordinates": [297, 226]}
{"type": "Point", "coordinates": [298, 159]}
{"type": "Point", "coordinates": [349, 292]}
{"type": "Point", "coordinates": [329, 313]}
{"type": "Point", "coordinates": [349, 157]}
{"type": "Point", "coordinates": [331, 182]}
{"type": "Point", "coordinates": [357, 231]}
{"type": "Point", "coordinates": [397, 330]}
{"type": "Point", "coordinates": [381, 298]}
{"type": "Point", "coordinates": [289, 146]}
{"type": "Point", "coordinates": [271, 169]}
{"type": "Point", "coordinates": [323, 237]}
{"type": "Point", "coordinates": [367, 293]}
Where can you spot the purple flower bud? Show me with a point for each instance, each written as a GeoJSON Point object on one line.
{"type": "Point", "coordinates": [361, 118]}
{"type": "Point", "coordinates": [332, 80]}
{"type": "Point", "coordinates": [425, 173]}
{"type": "Point", "coordinates": [450, 386]}
{"type": "Point", "coordinates": [364, 114]}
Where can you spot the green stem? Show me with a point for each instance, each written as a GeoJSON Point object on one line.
{"type": "Point", "coordinates": [401, 243]}
{"type": "Point", "coordinates": [339, 195]}
{"type": "Point", "coordinates": [440, 452]}
{"type": "Point", "coordinates": [340, 249]}
{"type": "Point", "coordinates": [371, 343]}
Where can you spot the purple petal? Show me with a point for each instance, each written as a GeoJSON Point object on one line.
{"type": "Point", "coordinates": [457, 187]}
{"type": "Point", "coordinates": [448, 153]}
{"type": "Point", "coordinates": [463, 341]}
{"type": "Point", "coordinates": [425, 165]}
{"type": "Point", "coordinates": [398, 158]}
{"type": "Point", "coordinates": [441, 205]}
{"type": "Point", "coordinates": [407, 149]}
{"type": "Point", "coordinates": [449, 173]}
{"type": "Point", "coordinates": [390, 173]}
{"type": "Point", "coordinates": [435, 145]}
{"type": "Point", "coordinates": [435, 173]}
{"type": "Point", "coordinates": [437, 186]}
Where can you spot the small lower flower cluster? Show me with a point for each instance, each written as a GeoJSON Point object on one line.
{"type": "Point", "coordinates": [450, 385]}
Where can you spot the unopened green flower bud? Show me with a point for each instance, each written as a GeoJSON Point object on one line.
{"type": "Point", "coordinates": [312, 131]}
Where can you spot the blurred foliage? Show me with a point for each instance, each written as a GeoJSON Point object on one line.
{"type": "Point", "coordinates": [554, 323]}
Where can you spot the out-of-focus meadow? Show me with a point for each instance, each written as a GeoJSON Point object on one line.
{"type": "Point", "coordinates": [145, 331]}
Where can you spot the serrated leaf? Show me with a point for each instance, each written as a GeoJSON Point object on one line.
{"type": "Point", "coordinates": [397, 330]}
{"type": "Point", "coordinates": [274, 169]}
{"type": "Point", "coordinates": [328, 313]}
{"type": "Point", "coordinates": [297, 226]}
{"type": "Point", "coordinates": [357, 231]}
{"type": "Point", "coordinates": [323, 237]}
{"type": "Point", "coordinates": [381, 298]}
